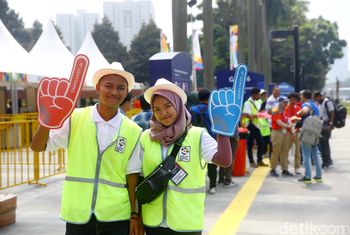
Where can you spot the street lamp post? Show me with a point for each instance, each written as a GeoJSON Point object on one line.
{"type": "Point", "coordinates": [283, 34]}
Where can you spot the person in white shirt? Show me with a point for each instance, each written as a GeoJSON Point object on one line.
{"type": "Point", "coordinates": [272, 101]}
{"type": "Point", "coordinates": [103, 167]}
{"type": "Point", "coordinates": [250, 120]}
{"type": "Point", "coordinates": [327, 115]}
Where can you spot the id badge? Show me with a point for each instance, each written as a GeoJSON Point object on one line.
{"type": "Point", "coordinates": [178, 174]}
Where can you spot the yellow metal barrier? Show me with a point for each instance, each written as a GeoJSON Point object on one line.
{"type": "Point", "coordinates": [18, 163]}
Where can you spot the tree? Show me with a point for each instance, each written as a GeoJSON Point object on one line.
{"type": "Point", "coordinates": [107, 40]}
{"type": "Point", "coordinates": [35, 32]}
{"type": "Point", "coordinates": [143, 46]}
{"type": "Point", "coordinates": [319, 41]}
{"type": "Point", "coordinates": [319, 47]}
{"type": "Point", "coordinates": [60, 34]}
{"type": "Point", "coordinates": [14, 24]}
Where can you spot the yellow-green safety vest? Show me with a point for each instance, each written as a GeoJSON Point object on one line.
{"type": "Point", "coordinates": [96, 182]}
{"type": "Point", "coordinates": [245, 120]}
{"type": "Point", "coordinates": [180, 207]}
{"type": "Point", "coordinates": [264, 125]}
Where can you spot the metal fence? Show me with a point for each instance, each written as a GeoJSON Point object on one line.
{"type": "Point", "coordinates": [18, 163]}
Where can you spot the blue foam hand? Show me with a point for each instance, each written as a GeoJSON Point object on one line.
{"type": "Point", "coordinates": [225, 105]}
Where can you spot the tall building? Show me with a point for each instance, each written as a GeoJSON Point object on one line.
{"type": "Point", "coordinates": [128, 16]}
{"type": "Point", "coordinates": [75, 27]}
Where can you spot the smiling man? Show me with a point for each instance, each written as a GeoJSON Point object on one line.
{"type": "Point", "coordinates": [99, 189]}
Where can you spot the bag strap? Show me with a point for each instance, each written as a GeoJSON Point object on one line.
{"type": "Point", "coordinates": [177, 145]}
{"type": "Point", "coordinates": [311, 112]}
{"type": "Point", "coordinates": [169, 161]}
{"type": "Point", "coordinates": [326, 106]}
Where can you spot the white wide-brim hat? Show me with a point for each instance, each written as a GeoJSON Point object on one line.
{"type": "Point", "coordinates": [114, 68]}
{"type": "Point", "coordinates": [163, 84]}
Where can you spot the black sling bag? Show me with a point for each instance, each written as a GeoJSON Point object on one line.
{"type": "Point", "coordinates": [156, 182]}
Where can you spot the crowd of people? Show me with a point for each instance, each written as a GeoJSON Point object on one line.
{"type": "Point", "coordinates": [285, 116]}
{"type": "Point", "coordinates": [110, 154]}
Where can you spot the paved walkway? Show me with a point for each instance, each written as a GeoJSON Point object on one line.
{"type": "Point", "coordinates": [259, 205]}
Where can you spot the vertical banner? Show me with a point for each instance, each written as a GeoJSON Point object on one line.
{"type": "Point", "coordinates": [196, 50]}
{"type": "Point", "coordinates": [233, 46]}
{"type": "Point", "coordinates": [163, 43]}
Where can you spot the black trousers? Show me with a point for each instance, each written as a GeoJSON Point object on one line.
{"type": "Point", "coordinates": [254, 134]}
{"type": "Point", "coordinates": [94, 227]}
{"type": "Point", "coordinates": [267, 145]}
{"type": "Point", "coordinates": [167, 231]}
{"type": "Point", "coordinates": [212, 174]}
{"type": "Point", "coordinates": [325, 148]}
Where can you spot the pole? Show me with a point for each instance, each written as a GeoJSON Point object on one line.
{"type": "Point", "coordinates": [208, 44]}
{"type": "Point", "coordinates": [194, 72]}
{"type": "Point", "coordinates": [179, 10]}
{"type": "Point", "coordinates": [252, 36]}
{"type": "Point", "coordinates": [242, 29]}
{"type": "Point", "coordinates": [14, 94]}
{"type": "Point", "coordinates": [266, 47]}
{"type": "Point", "coordinates": [337, 84]}
{"type": "Point", "coordinates": [194, 78]}
{"type": "Point", "coordinates": [296, 59]}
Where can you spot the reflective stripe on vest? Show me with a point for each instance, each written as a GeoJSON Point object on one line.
{"type": "Point", "coordinates": [95, 182]}
{"type": "Point", "coordinates": [101, 181]}
{"type": "Point", "coordinates": [184, 202]}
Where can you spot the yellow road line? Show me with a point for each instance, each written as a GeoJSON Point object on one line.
{"type": "Point", "coordinates": [230, 220]}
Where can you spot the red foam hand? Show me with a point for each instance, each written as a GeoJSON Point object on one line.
{"type": "Point", "coordinates": [56, 98]}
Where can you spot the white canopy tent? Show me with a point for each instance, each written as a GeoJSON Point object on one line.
{"type": "Point", "coordinates": [49, 56]}
{"type": "Point", "coordinates": [13, 57]}
{"type": "Point", "coordinates": [97, 60]}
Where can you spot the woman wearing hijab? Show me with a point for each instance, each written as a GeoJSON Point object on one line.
{"type": "Point", "coordinates": [180, 208]}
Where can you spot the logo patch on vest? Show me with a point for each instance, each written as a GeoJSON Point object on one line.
{"type": "Point", "coordinates": [184, 154]}
{"type": "Point", "coordinates": [120, 144]}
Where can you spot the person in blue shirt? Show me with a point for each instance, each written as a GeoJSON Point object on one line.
{"type": "Point", "coordinates": [142, 119]}
{"type": "Point", "coordinates": [309, 151]}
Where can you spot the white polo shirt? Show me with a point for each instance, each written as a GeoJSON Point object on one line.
{"type": "Point", "coordinates": [105, 131]}
{"type": "Point", "coordinates": [324, 111]}
{"type": "Point", "coordinates": [271, 103]}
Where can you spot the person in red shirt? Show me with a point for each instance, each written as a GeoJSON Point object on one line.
{"type": "Point", "coordinates": [279, 138]}
{"type": "Point", "coordinates": [291, 111]}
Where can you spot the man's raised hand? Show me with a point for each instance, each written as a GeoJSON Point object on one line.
{"type": "Point", "coordinates": [56, 98]}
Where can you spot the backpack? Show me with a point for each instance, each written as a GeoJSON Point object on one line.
{"type": "Point", "coordinates": [311, 129]}
{"type": "Point", "coordinates": [201, 119]}
{"type": "Point", "coordinates": [340, 113]}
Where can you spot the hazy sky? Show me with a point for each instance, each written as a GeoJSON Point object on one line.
{"type": "Point", "coordinates": [43, 10]}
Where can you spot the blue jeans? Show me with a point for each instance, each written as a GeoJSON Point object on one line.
{"type": "Point", "coordinates": [311, 151]}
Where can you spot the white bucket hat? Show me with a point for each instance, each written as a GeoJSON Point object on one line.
{"type": "Point", "coordinates": [114, 68]}
{"type": "Point", "coordinates": [163, 84]}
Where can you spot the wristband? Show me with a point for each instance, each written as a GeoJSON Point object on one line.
{"type": "Point", "coordinates": [134, 215]}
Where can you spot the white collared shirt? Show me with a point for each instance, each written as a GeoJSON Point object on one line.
{"type": "Point", "coordinates": [248, 106]}
{"type": "Point", "coordinates": [105, 132]}
{"type": "Point", "coordinates": [271, 102]}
